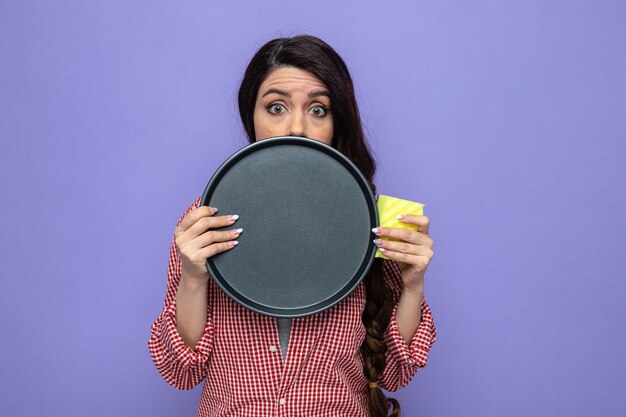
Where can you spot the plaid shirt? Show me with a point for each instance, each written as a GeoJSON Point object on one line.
{"type": "Point", "coordinates": [240, 361]}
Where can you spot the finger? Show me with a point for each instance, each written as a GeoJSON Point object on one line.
{"type": "Point", "coordinates": [206, 223]}
{"type": "Point", "coordinates": [403, 247]}
{"type": "Point", "coordinates": [406, 235]}
{"type": "Point", "coordinates": [422, 221]}
{"type": "Point", "coordinates": [216, 248]}
{"type": "Point", "coordinates": [193, 216]}
{"type": "Point", "coordinates": [404, 257]}
{"type": "Point", "coordinates": [211, 236]}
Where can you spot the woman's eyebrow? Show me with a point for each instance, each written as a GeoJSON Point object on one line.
{"type": "Point", "coordinates": [312, 94]}
{"type": "Point", "coordinates": [318, 93]}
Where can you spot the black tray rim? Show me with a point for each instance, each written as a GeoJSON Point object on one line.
{"type": "Point", "coordinates": [359, 275]}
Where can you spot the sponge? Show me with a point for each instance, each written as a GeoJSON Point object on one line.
{"type": "Point", "coordinates": [388, 208]}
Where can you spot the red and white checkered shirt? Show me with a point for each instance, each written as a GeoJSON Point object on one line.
{"type": "Point", "coordinates": [240, 360]}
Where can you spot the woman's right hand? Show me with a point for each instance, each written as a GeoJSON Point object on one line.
{"type": "Point", "coordinates": [196, 242]}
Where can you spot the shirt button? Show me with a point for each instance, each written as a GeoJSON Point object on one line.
{"type": "Point", "coordinates": [272, 348]}
{"type": "Point", "coordinates": [281, 401]}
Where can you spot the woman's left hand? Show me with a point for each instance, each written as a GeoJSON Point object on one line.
{"type": "Point", "coordinates": [414, 251]}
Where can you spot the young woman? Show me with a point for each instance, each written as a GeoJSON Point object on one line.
{"type": "Point", "coordinates": [332, 363]}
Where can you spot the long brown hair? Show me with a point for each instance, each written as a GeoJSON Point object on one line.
{"type": "Point", "coordinates": [316, 56]}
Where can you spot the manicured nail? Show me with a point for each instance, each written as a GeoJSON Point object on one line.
{"type": "Point", "coordinates": [377, 241]}
{"type": "Point", "coordinates": [400, 216]}
{"type": "Point", "coordinates": [376, 230]}
{"type": "Point", "coordinates": [382, 250]}
{"type": "Point", "coordinates": [233, 217]}
{"type": "Point", "coordinates": [233, 243]}
{"type": "Point", "coordinates": [237, 231]}
{"type": "Point", "coordinates": [214, 210]}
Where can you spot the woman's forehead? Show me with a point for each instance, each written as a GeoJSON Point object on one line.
{"type": "Point", "coordinates": [292, 78]}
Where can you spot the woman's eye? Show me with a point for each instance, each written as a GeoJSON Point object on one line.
{"type": "Point", "coordinates": [319, 111]}
{"type": "Point", "coordinates": [276, 108]}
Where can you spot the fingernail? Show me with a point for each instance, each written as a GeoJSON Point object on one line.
{"type": "Point", "coordinates": [234, 243]}
{"type": "Point", "coordinates": [400, 216]}
{"type": "Point", "coordinates": [233, 217]}
{"type": "Point", "coordinates": [382, 250]}
{"type": "Point", "coordinates": [376, 241]}
{"type": "Point", "coordinates": [376, 230]}
{"type": "Point", "coordinates": [237, 231]}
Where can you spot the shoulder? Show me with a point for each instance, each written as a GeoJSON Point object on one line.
{"type": "Point", "coordinates": [393, 277]}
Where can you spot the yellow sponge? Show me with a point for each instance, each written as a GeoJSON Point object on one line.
{"type": "Point", "coordinates": [389, 208]}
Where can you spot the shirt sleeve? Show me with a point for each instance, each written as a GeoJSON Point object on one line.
{"type": "Point", "coordinates": [402, 361]}
{"type": "Point", "coordinates": [180, 365]}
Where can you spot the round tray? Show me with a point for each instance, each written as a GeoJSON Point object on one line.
{"type": "Point", "coordinates": [306, 213]}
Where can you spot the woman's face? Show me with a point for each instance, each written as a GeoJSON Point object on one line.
{"type": "Point", "coordinates": [293, 102]}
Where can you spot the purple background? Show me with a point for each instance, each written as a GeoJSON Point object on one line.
{"type": "Point", "coordinates": [507, 119]}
